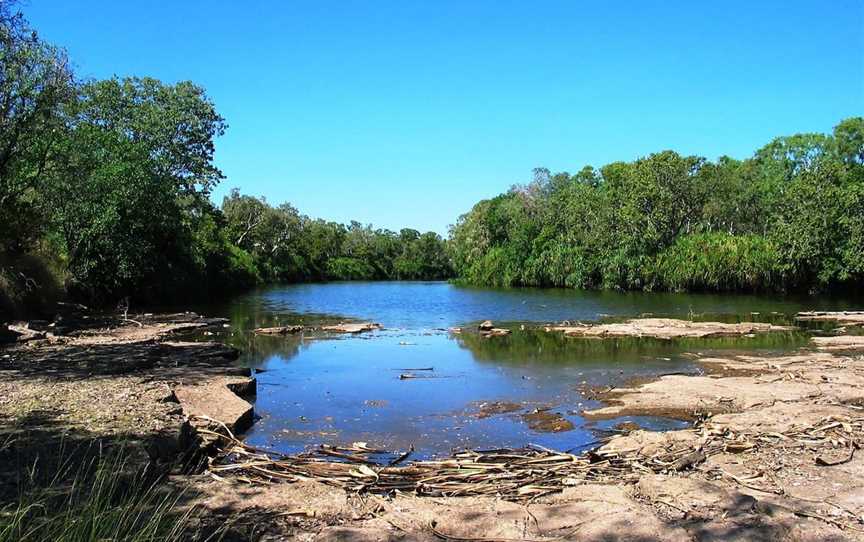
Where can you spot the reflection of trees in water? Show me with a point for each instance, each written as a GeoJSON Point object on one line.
{"type": "Point", "coordinates": [540, 347]}
{"type": "Point", "coordinates": [259, 348]}
{"type": "Point", "coordinates": [252, 313]}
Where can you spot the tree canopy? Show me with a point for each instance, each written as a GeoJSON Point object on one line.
{"type": "Point", "coordinates": [106, 184]}
{"type": "Point", "coordinates": [789, 218]}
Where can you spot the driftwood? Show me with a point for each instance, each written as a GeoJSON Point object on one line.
{"type": "Point", "coordinates": [516, 474]}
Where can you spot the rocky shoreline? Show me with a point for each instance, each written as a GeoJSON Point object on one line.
{"type": "Point", "coordinates": [773, 453]}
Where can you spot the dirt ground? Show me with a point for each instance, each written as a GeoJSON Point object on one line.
{"type": "Point", "coordinates": [774, 452]}
{"type": "Point", "coordinates": [110, 382]}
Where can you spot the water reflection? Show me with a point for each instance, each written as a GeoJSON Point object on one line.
{"type": "Point", "coordinates": [316, 390]}
{"type": "Point", "coordinates": [430, 305]}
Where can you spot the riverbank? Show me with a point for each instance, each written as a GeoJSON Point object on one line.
{"type": "Point", "coordinates": [119, 382]}
{"type": "Point", "coordinates": [774, 453]}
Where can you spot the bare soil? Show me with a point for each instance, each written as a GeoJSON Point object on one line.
{"type": "Point", "coordinates": [114, 381]}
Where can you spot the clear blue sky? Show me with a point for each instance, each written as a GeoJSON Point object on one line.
{"type": "Point", "coordinates": [405, 113]}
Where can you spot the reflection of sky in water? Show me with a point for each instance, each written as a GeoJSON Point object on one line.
{"type": "Point", "coordinates": [348, 389]}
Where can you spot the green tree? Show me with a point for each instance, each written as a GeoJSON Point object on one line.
{"type": "Point", "coordinates": [35, 84]}
{"type": "Point", "coordinates": [130, 190]}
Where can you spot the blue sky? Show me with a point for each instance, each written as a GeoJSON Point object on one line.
{"type": "Point", "coordinates": [405, 113]}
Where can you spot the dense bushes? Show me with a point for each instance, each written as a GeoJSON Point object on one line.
{"type": "Point", "coordinates": [718, 262]}
{"type": "Point", "coordinates": [790, 218]}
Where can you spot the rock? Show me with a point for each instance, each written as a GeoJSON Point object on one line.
{"type": "Point", "coordinates": [840, 342]}
{"type": "Point", "coordinates": [242, 387]}
{"type": "Point", "coordinates": [666, 328]}
{"type": "Point", "coordinates": [495, 332]}
{"type": "Point", "coordinates": [841, 317]}
{"type": "Point", "coordinates": [216, 401]}
{"type": "Point", "coordinates": [352, 328]}
{"type": "Point", "coordinates": [545, 421]}
{"type": "Point", "coordinates": [285, 330]}
{"type": "Point", "coordinates": [486, 409]}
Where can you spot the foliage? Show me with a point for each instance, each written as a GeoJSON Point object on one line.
{"type": "Point", "coordinates": [112, 178]}
{"type": "Point", "coordinates": [288, 246]}
{"type": "Point", "coordinates": [35, 83]}
{"type": "Point", "coordinates": [718, 262]}
{"type": "Point", "coordinates": [116, 176]}
{"type": "Point", "coordinates": [790, 218]}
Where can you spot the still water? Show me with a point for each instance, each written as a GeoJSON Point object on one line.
{"type": "Point", "coordinates": [465, 391]}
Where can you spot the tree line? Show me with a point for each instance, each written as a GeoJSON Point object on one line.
{"type": "Point", "coordinates": [791, 218]}
{"type": "Point", "coordinates": [105, 192]}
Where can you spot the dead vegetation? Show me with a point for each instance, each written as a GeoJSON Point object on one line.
{"type": "Point", "coordinates": [524, 474]}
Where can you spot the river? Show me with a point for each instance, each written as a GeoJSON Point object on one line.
{"type": "Point", "coordinates": [466, 391]}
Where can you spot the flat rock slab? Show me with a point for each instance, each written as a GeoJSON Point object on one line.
{"type": "Point", "coordinates": [284, 330]}
{"type": "Point", "coordinates": [217, 401]}
{"type": "Point", "coordinates": [359, 327]}
{"type": "Point", "coordinates": [841, 317]}
{"type": "Point", "coordinates": [495, 332]}
{"type": "Point", "coordinates": [840, 342]}
{"type": "Point", "coordinates": [680, 396]}
{"type": "Point", "coordinates": [666, 328]}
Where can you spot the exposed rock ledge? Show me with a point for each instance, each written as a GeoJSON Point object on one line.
{"type": "Point", "coordinates": [665, 328]}
{"type": "Point", "coordinates": [841, 317]}
{"type": "Point", "coordinates": [353, 327]}
{"type": "Point", "coordinates": [840, 342]}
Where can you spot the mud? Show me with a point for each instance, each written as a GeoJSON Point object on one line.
{"type": "Point", "coordinates": [491, 408]}
{"type": "Point", "coordinates": [546, 421]}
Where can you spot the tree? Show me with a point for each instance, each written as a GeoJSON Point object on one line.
{"type": "Point", "coordinates": [849, 140]}
{"type": "Point", "coordinates": [35, 83]}
{"type": "Point", "coordinates": [130, 189]}
{"type": "Point", "coordinates": [791, 217]}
